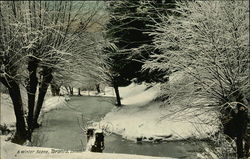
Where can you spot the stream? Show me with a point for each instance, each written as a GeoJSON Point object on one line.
{"type": "Point", "coordinates": [60, 129]}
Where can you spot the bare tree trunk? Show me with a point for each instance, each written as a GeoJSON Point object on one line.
{"type": "Point", "coordinates": [47, 78]}
{"type": "Point", "coordinates": [79, 92]}
{"type": "Point", "coordinates": [55, 89]}
{"type": "Point", "coordinates": [15, 94]}
{"type": "Point", "coordinates": [241, 128]}
{"type": "Point", "coordinates": [58, 91]}
{"type": "Point", "coordinates": [31, 92]}
{"type": "Point", "coordinates": [71, 91]}
{"type": "Point", "coordinates": [98, 88]}
{"type": "Point", "coordinates": [117, 94]}
{"type": "Point", "coordinates": [239, 146]}
{"type": "Point", "coordinates": [242, 123]}
{"type": "Point", "coordinates": [67, 90]}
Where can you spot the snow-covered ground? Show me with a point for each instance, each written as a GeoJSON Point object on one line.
{"type": "Point", "coordinates": [53, 103]}
{"type": "Point", "coordinates": [107, 92]}
{"type": "Point", "coordinates": [143, 117]}
{"type": "Point", "coordinates": [7, 111]}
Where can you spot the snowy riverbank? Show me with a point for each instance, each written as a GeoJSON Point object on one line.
{"type": "Point", "coordinates": [141, 117]}
{"type": "Point", "coordinates": [7, 111]}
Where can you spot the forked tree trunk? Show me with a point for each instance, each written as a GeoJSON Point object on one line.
{"type": "Point", "coordinates": [236, 126]}
{"type": "Point", "coordinates": [117, 94]}
{"type": "Point", "coordinates": [47, 78]}
{"type": "Point", "coordinates": [15, 94]}
{"type": "Point", "coordinates": [31, 92]}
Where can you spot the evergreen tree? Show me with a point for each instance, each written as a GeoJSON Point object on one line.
{"type": "Point", "coordinates": [128, 27]}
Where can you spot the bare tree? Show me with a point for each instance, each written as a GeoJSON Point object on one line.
{"type": "Point", "coordinates": [208, 45]}
{"type": "Point", "coordinates": [12, 60]}
{"type": "Point", "coordinates": [40, 36]}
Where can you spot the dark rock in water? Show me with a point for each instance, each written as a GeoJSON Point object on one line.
{"type": "Point", "coordinates": [139, 139]}
{"type": "Point", "coordinates": [165, 136]}
{"type": "Point", "coordinates": [4, 130]}
{"type": "Point", "coordinates": [158, 140]}
{"type": "Point", "coordinates": [99, 142]}
{"type": "Point", "coordinates": [151, 138]}
{"type": "Point", "coordinates": [98, 137]}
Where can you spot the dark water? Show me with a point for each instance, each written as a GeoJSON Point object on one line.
{"type": "Point", "coordinates": [60, 129]}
